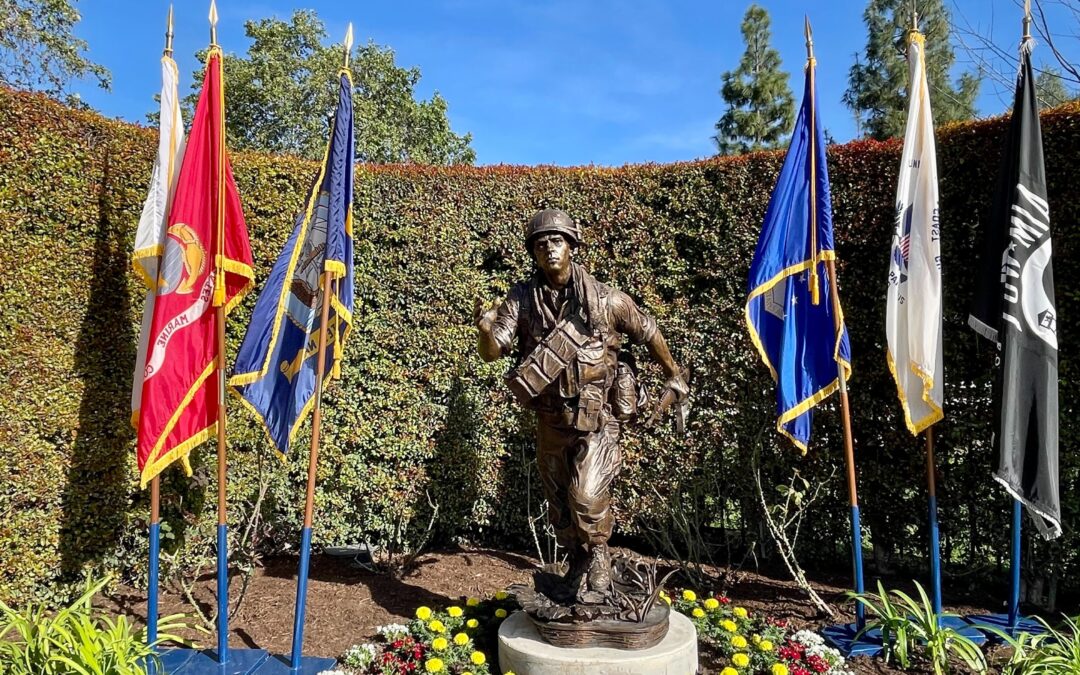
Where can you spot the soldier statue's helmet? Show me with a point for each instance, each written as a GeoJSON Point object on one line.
{"type": "Point", "coordinates": [552, 220]}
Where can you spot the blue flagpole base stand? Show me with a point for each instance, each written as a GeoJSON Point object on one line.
{"type": "Point", "coordinates": [962, 626]}
{"type": "Point", "coordinates": [240, 662]}
{"type": "Point", "coordinates": [842, 637]}
{"type": "Point", "coordinates": [281, 664]}
{"type": "Point", "coordinates": [983, 622]}
{"type": "Point", "coordinates": [172, 660]}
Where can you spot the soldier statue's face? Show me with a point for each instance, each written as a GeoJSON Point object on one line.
{"type": "Point", "coordinates": [552, 253]}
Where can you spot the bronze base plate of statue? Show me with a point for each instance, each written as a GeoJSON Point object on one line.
{"type": "Point", "coordinates": [565, 330]}
{"type": "Point", "coordinates": [629, 616]}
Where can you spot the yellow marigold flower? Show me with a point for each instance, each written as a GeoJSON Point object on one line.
{"type": "Point", "coordinates": [423, 613]}
{"type": "Point", "coordinates": [439, 644]}
{"type": "Point", "coordinates": [501, 595]}
{"type": "Point", "coordinates": [729, 625]}
{"type": "Point", "coordinates": [738, 642]}
{"type": "Point", "coordinates": [741, 660]}
{"type": "Point", "coordinates": [698, 613]}
{"type": "Point", "coordinates": [478, 658]}
{"type": "Point", "coordinates": [461, 639]}
{"type": "Point", "coordinates": [433, 665]}
{"type": "Point", "coordinates": [665, 599]}
{"type": "Point", "coordinates": [711, 603]}
{"type": "Point", "coordinates": [500, 613]}
{"type": "Point", "coordinates": [729, 671]}
{"type": "Point", "coordinates": [689, 595]}
{"type": "Point", "coordinates": [779, 669]}
{"type": "Point", "coordinates": [437, 626]}
{"type": "Point", "coordinates": [472, 602]}
{"type": "Point", "coordinates": [454, 611]}
{"type": "Point", "coordinates": [756, 638]}
{"type": "Point", "coordinates": [740, 612]}
{"type": "Point", "coordinates": [472, 623]}
{"type": "Point", "coordinates": [765, 646]}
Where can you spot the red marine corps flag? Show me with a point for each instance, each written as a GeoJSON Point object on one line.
{"type": "Point", "coordinates": [206, 263]}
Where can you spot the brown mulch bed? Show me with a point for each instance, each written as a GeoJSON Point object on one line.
{"type": "Point", "coordinates": [346, 603]}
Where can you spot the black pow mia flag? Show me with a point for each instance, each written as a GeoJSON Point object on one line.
{"type": "Point", "coordinates": [1014, 307]}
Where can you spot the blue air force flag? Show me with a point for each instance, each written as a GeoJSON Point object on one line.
{"type": "Point", "coordinates": [275, 371]}
{"type": "Point", "coordinates": [789, 310]}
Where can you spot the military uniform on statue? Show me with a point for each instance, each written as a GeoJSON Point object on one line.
{"type": "Point", "coordinates": [566, 330]}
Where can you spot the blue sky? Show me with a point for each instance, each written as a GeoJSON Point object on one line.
{"type": "Point", "coordinates": [566, 82]}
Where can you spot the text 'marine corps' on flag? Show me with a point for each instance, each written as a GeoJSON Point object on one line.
{"type": "Point", "coordinates": [150, 237]}
{"type": "Point", "coordinates": [913, 301]}
{"type": "Point", "coordinates": [206, 237]}
{"type": "Point", "coordinates": [1014, 307]}
{"type": "Point", "coordinates": [275, 372]}
{"type": "Point", "coordinates": [794, 331]}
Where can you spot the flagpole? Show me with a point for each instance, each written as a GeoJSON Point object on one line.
{"type": "Point", "coordinates": [309, 501]}
{"type": "Point", "coordinates": [1017, 514]}
{"type": "Point", "coordinates": [931, 480]}
{"type": "Point", "coordinates": [935, 540]}
{"type": "Point", "coordinates": [313, 456]}
{"type": "Point", "coordinates": [219, 313]}
{"type": "Point", "coordinates": [155, 485]}
{"type": "Point", "coordinates": [845, 410]}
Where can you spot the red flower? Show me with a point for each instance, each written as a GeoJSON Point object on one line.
{"type": "Point", "coordinates": [818, 664]}
{"type": "Point", "coordinates": [799, 670]}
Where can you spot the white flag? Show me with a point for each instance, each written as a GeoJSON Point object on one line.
{"type": "Point", "coordinates": [150, 237]}
{"type": "Point", "coordinates": [913, 309]}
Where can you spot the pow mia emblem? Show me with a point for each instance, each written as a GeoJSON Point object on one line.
{"type": "Point", "coordinates": [1048, 320]}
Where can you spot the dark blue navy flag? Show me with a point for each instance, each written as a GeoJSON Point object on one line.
{"type": "Point", "coordinates": [275, 370]}
{"type": "Point", "coordinates": [789, 310]}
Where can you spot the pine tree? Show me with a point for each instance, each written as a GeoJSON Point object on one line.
{"type": "Point", "coordinates": [760, 109]}
{"type": "Point", "coordinates": [877, 86]}
{"type": "Point", "coordinates": [1050, 89]}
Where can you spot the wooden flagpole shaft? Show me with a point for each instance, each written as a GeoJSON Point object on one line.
{"type": "Point", "coordinates": [316, 417]}
{"type": "Point", "coordinates": [849, 454]}
{"type": "Point", "coordinates": [309, 499]}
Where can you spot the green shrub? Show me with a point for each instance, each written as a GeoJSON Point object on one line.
{"type": "Point", "coordinates": [417, 413]}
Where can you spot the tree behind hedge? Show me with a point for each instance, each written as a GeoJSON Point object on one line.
{"type": "Point", "coordinates": [280, 95]}
{"type": "Point", "coordinates": [878, 82]}
{"type": "Point", "coordinates": [761, 108]}
{"type": "Point", "coordinates": [38, 47]}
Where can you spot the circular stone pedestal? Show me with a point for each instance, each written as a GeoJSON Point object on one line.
{"type": "Point", "coordinates": [523, 652]}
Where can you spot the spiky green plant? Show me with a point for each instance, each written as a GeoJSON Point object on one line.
{"type": "Point", "coordinates": [908, 625]}
{"type": "Point", "coordinates": [77, 640]}
{"type": "Point", "coordinates": [1055, 652]}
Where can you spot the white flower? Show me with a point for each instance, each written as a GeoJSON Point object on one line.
{"type": "Point", "coordinates": [392, 630]}
{"type": "Point", "coordinates": [333, 672]}
{"type": "Point", "coordinates": [360, 656]}
{"type": "Point", "coordinates": [808, 638]}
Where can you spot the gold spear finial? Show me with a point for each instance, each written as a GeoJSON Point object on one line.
{"type": "Point", "coordinates": [348, 44]}
{"type": "Point", "coordinates": [213, 23]}
{"type": "Point", "coordinates": [169, 33]}
{"type": "Point", "coordinates": [1027, 19]}
{"type": "Point", "coordinates": [914, 17]}
{"type": "Point", "coordinates": [809, 38]}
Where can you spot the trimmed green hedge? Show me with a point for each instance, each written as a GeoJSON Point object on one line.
{"type": "Point", "coordinates": [418, 413]}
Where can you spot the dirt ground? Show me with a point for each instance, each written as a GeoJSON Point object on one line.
{"type": "Point", "coordinates": [346, 603]}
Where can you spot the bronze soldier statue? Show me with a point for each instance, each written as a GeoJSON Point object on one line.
{"type": "Point", "coordinates": [568, 329]}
